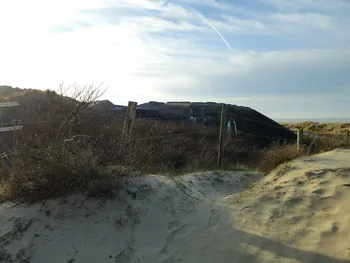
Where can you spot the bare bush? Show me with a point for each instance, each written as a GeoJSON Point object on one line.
{"type": "Point", "coordinates": [78, 149]}
{"type": "Point", "coordinates": [52, 171]}
{"type": "Point", "coordinates": [323, 143]}
{"type": "Point", "coordinates": [59, 159]}
{"type": "Point", "coordinates": [278, 154]}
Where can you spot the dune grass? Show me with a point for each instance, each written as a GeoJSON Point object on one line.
{"type": "Point", "coordinates": [320, 128]}
{"type": "Point", "coordinates": [52, 161]}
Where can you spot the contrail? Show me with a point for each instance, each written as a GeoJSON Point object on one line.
{"type": "Point", "coordinates": [201, 16]}
{"type": "Point", "coordinates": [212, 27]}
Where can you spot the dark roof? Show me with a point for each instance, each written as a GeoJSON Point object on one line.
{"type": "Point", "coordinates": [118, 107]}
{"type": "Point", "coordinates": [249, 121]}
{"type": "Point", "coordinates": [101, 102]}
{"type": "Point", "coordinates": [152, 105]}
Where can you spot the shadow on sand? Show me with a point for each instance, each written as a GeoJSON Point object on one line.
{"type": "Point", "coordinates": [281, 251]}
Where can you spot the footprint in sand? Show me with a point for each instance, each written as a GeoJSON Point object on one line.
{"type": "Point", "coordinates": [186, 205]}
{"type": "Point", "coordinates": [315, 174]}
{"type": "Point", "coordinates": [122, 257]}
{"type": "Point", "coordinates": [343, 173]}
{"type": "Point", "coordinates": [324, 182]}
{"type": "Point", "coordinates": [334, 228]}
{"type": "Point", "coordinates": [293, 201]}
{"type": "Point", "coordinates": [177, 230]}
{"type": "Point", "coordinates": [214, 218]}
{"type": "Point", "coordinates": [319, 191]}
{"type": "Point", "coordinates": [296, 219]}
{"type": "Point", "coordinates": [174, 225]}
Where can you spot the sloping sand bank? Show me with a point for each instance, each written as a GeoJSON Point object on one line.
{"type": "Point", "coordinates": [299, 213]}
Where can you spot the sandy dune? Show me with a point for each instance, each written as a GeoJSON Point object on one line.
{"type": "Point", "coordinates": [304, 207]}
{"type": "Point", "coordinates": [299, 213]}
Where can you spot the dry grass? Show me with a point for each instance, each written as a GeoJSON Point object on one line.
{"type": "Point", "coordinates": [320, 128]}
{"type": "Point", "coordinates": [55, 170]}
{"type": "Point", "coordinates": [325, 137]}
{"type": "Point", "coordinates": [161, 147]}
{"type": "Point", "coordinates": [278, 154]}
{"type": "Point", "coordinates": [323, 143]}
{"type": "Point", "coordinates": [48, 165]}
{"type": "Point", "coordinates": [52, 161]}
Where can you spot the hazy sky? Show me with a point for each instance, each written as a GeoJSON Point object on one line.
{"type": "Point", "coordinates": [285, 58]}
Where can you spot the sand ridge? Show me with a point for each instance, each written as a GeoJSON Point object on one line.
{"type": "Point", "coordinates": [298, 213]}
{"type": "Point", "coordinates": [303, 205]}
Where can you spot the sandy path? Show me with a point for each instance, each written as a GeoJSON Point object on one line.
{"type": "Point", "coordinates": [157, 220]}
{"type": "Point", "coordinates": [299, 213]}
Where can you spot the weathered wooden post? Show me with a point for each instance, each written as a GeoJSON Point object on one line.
{"type": "Point", "coordinates": [347, 137]}
{"type": "Point", "coordinates": [299, 140]}
{"type": "Point", "coordinates": [222, 132]}
{"type": "Point", "coordinates": [129, 119]}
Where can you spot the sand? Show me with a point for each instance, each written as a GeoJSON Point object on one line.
{"type": "Point", "coordinates": [298, 213]}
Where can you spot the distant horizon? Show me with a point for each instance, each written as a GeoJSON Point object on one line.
{"type": "Point", "coordinates": [320, 120]}
{"type": "Point", "coordinates": [277, 119]}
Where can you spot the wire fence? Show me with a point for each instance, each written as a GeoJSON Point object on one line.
{"type": "Point", "coordinates": [192, 119]}
{"type": "Point", "coordinates": [172, 119]}
{"type": "Point", "coordinates": [187, 133]}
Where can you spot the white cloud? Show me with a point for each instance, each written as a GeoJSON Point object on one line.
{"type": "Point", "coordinates": [211, 3]}
{"type": "Point", "coordinates": [165, 50]}
{"type": "Point", "coordinates": [152, 24]}
{"type": "Point", "coordinates": [242, 26]}
{"type": "Point", "coordinates": [150, 5]}
{"type": "Point", "coordinates": [310, 20]}
{"type": "Point", "coordinates": [307, 4]}
{"type": "Point", "coordinates": [176, 11]}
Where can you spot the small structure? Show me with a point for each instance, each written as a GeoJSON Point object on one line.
{"type": "Point", "coordinates": [5, 152]}
{"type": "Point", "coordinates": [240, 121]}
{"type": "Point", "coordinates": [16, 124]}
{"type": "Point", "coordinates": [102, 104]}
{"type": "Point", "coordinates": [106, 109]}
{"type": "Point", "coordinates": [149, 111]}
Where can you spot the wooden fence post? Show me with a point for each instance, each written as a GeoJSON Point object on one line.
{"type": "Point", "coordinates": [347, 137]}
{"type": "Point", "coordinates": [129, 119]}
{"type": "Point", "coordinates": [222, 132]}
{"type": "Point", "coordinates": [299, 140]}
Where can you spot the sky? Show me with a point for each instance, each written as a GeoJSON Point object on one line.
{"type": "Point", "coordinates": [284, 58]}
